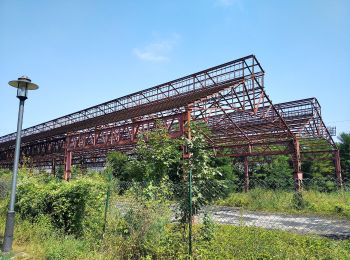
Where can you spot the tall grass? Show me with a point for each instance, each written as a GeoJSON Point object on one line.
{"type": "Point", "coordinates": [41, 241]}
{"type": "Point", "coordinates": [335, 204]}
{"type": "Point", "coordinates": [141, 229]}
{"type": "Point", "coordinates": [257, 243]}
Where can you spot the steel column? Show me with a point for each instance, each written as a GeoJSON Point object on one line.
{"type": "Point", "coordinates": [67, 165]}
{"type": "Point", "coordinates": [298, 174]}
{"type": "Point", "coordinates": [246, 174]}
{"type": "Point", "coordinates": [338, 169]}
{"type": "Point", "coordinates": [53, 167]}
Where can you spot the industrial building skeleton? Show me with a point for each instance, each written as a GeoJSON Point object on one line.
{"type": "Point", "coordinates": [229, 98]}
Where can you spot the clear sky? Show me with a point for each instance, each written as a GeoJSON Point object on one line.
{"type": "Point", "coordinates": [82, 52]}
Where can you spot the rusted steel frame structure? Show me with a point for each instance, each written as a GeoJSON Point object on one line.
{"type": "Point", "coordinates": [310, 136]}
{"type": "Point", "coordinates": [176, 93]}
{"type": "Point", "coordinates": [107, 138]}
{"type": "Point", "coordinates": [229, 98]}
{"type": "Point", "coordinates": [304, 119]}
{"type": "Point", "coordinates": [163, 100]}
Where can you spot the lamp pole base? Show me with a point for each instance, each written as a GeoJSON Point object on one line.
{"type": "Point", "coordinates": [9, 228]}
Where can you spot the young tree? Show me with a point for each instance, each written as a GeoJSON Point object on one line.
{"type": "Point", "coordinates": [207, 183]}
{"type": "Point", "coordinates": [156, 156]}
{"type": "Point", "coordinates": [159, 157]}
{"type": "Point", "coordinates": [118, 162]}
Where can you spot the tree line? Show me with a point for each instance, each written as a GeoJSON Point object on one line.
{"type": "Point", "coordinates": [161, 157]}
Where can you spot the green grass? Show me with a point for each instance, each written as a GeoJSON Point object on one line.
{"type": "Point", "coordinates": [142, 235]}
{"type": "Point", "coordinates": [256, 243]}
{"type": "Point", "coordinates": [40, 241]}
{"type": "Point", "coordinates": [335, 204]}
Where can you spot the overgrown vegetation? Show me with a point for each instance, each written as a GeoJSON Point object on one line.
{"type": "Point", "coordinates": [344, 150]}
{"type": "Point", "coordinates": [75, 206]}
{"type": "Point", "coordinates": [159, 159]}
{"type": "Point", "coordinates": [65, 220]}
{"type": "Point", "coordinates": [41, 240]}
{"type": "Point", "coordinates": [312, 202]}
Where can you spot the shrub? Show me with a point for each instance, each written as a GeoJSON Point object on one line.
{"type": "Point", "coordinates": [140, 224]}
{"type": "Point", "coordinates": [206, 232]}
{"type": "Point", "coordinates": [298, 201]}
{"type": "Point", "coordinates": [72, 206]}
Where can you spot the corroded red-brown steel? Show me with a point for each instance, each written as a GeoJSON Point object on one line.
{"type": "Point", "coordinates": [230, 98]}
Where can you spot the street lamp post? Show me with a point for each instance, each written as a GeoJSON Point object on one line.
{"type": "Point", "coordinates": [23, 84]}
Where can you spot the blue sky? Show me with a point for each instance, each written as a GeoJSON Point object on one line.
{"type": "Point", "coordinates": [82, 52]}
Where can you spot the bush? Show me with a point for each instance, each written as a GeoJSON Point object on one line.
{"type": "Point", "coordinates": [208, 228]}
{"type": "Point", "coordinates": [72, 206]}
{"type": "Point", "coordinates": [139, 226]}
{"type": "Point", "coordinates": [141, 229]}
{"type": "Point", "coordinates": [298, 201]}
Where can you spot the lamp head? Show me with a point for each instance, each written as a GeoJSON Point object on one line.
{"type": "Point", "coordinates": [23, 84]}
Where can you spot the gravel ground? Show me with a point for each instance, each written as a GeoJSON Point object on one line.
{"type": "Point", "coordinates": [323, 226]}
{"type": "Point", "coordinates": [332, 228]}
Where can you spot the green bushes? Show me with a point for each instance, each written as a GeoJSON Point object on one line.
{"type": "Point", "coordinates": [139, 223]}
{"type": "Point", "coordinates": [140, 227]}
{"type": "Point", "coordinates": [207, 230]}
{"type": "Point", "coordinates": [73, 206]}
{"type": "Point", "coordinates": [138, 231]}
{"type": "Point", "coordinates": [298, 201]}
{"type": "Point", "coordinates": [40, 240]}
{"type": "Point", "coordinates": [161, 158]}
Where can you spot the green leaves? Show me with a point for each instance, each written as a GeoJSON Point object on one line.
{"type": "Point", "coordinates": [70, 205]}
{"type": "Point", "coordinates": [156, 155]}
{"type": "Point", "coordinates": [344, 150]}
{"type": "Point", "coordinates": [206, 184]}
{"type": "Point", "coordinates": [158, 162]}
{"type": "Point", "coordinates": [117, 163]}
